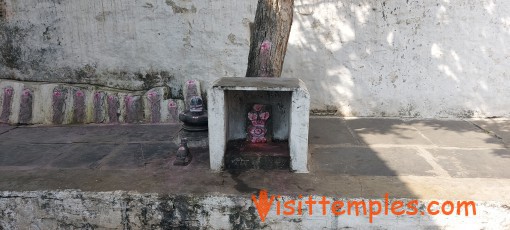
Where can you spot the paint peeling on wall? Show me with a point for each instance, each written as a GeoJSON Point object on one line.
{"type": "Point", "coordinates": [370, 58]}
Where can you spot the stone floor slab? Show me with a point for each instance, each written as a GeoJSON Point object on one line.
{"type": "Point", "coordinates": [370, 161]}
{"type": "Point", "coordinates": [29, 155]}
{"type": "Point", "coordinates": [139, 155]}
{"type": "Point", "coordinates": [44, 135]}
{"type": "Point", "coordinates": [161, 154]}
{"type": "Point", "coordinates": [126, 156]}
{"type": "Point", "coordinates": [337, 166]}
{"type": "Point", "coordinates": [462, 134]}
{"type": "Point", "coordinates": [492, 163]}
{"type": "Point", "coordinates": [499, 127]}
{"type": "Point", "coordinates": [330, 131]}
{"type": "Point", "coordinates": [6, 128]}
{"type": "Point", "coordinates": [386, 131]}
{"type": "Point", "coordinates": [84, 156]}
{"type": "Point", "coordinates": [92, 134]}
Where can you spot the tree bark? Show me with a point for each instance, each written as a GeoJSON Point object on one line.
{"type": "Point", "coordinates": [269, 37]}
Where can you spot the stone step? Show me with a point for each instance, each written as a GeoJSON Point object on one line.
{"type": "Point", "coordinates": [243, 155]}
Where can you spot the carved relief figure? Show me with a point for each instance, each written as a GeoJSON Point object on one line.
{"type": "Point", "coordinates": [257, 129]}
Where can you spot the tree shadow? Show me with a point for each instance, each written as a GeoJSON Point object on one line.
{"type": "Point", "coordinates": [393, 59]}
{"type": "Point", "coordinates": [414, 60]}
{"type": "Point", "coordinates": [408, 60]}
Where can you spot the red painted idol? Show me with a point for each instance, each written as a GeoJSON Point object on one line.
{"type": "Point", "coordinates": [257, 129]}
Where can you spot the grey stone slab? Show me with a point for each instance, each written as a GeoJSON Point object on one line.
{"type": "Point", "coordinates": [6, 128]}
{"type": "Point", "coordinates": [46, 135]}
{"type": "Point", "coordinates": [92, 134]}
{"type": "Point", "coordinates": [126, 156]}
{"type": "Point", "coordinates": [499, 127]}
{"type": "Point", "coordinates": [330, 131]}
{"type": "Point", "coordinates": [200, 158]}
{"type": "Point", "coordinates": [135, 155]}
{"type": "Point", "coordinates": [84, 156]}
{"type": "Point", "coordinates": [474, 163]}
{"type": "Point", "coordinates": [159, 155]}
{"type": "Point", "coordinates": [12, 154]}
{"type": "Point", "coordinates": [130, 133]}
{"type": "Point", "coordinates": [454, 133]}
{"type": "Point", "coordinates": [370, 161]}
{"type": "Point", "coordinates": [242, 155]}
{"type": "Point", "coordinates": [386, 131]}
{"type": "Point", "coordinates": [282, 84]}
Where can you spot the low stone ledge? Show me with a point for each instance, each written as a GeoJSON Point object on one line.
{"type": "Point", "coordinates": [74, 209]}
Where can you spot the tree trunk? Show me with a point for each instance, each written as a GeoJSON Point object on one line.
{"type": "Point", "coordinates": [269, 37]}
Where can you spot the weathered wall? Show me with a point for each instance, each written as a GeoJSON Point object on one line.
{"type": "Point", "coordinates": [435, 58]}
{"type": "Point", "coordinates": [71, 209]}
{"type": "Point", "coordinates": [438, 58]}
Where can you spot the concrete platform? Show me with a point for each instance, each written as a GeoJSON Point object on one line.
{"type": "Point", "coordinates": [125, 174]}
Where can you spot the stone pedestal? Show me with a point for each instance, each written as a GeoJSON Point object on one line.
{"type": "Point", "coordinates": [228, 101]}
{"type": "Point", "coordinates": [198, 139]}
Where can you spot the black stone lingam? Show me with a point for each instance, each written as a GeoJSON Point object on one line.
{"type": "Point", "coordinates": [194, 119]}
{"type": "Point", "coordinates": [194, 126]}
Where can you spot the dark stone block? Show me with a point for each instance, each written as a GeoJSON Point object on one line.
{"type": "Point", "coordinates": [242, 155]}
{"type": "Point", "coordinates": [83, 156]}
{"type": "Point", "coordinates": [16, 154]}
{"type": "Point", "coordinates": [194, 136]}
{"type": "Point", "coordinates": [137, 155]}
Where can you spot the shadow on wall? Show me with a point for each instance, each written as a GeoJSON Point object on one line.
{"type": "Point", "coordinates": [415, 59]}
